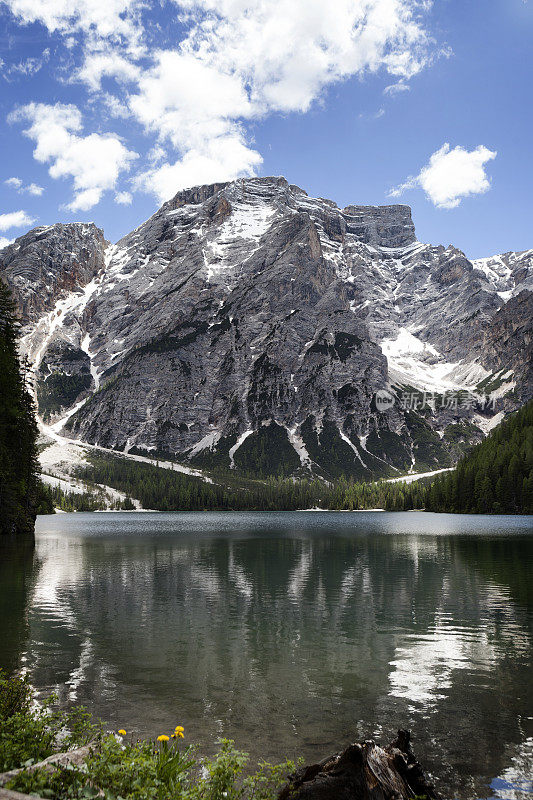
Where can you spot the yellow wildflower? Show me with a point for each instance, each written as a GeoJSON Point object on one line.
{"type": "Point", "coordinates": [162, 738]}
{"type": "Point", "coordinates": [179, 728]}
{"type": "Point", "coordinates": [122, 732]}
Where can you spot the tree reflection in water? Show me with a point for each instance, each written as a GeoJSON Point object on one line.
{"type": "Point", "coordinates": [294, 633]}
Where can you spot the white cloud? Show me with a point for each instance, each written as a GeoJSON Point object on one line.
{"type": "Point", "coordinates": [396, 88]}
{"type": "Point", "coordinates": [105, 18]}
{"type": "Point", "coordinates": [370, 115]}
{"type": "Point", "coordinates": [243, 59]}
{"type": "Point", "coordinates": [34, 189]}
{"type": "Point", "coordinates": [15, 219]}
{"type": "Point", "coordinates": [123, 198]}
{"type": "Point", "coordinates": [187, 101]}
{"type": "Point", "coordinates": [29, 66]}
{"type": "Point", "coordinates": [85, 199]}
{"type": "Point", "coordinates": [115, 107]}
{"type": "Point", "coordinates": [94, 162]}
{"type": "Point", "coordinates": [31, 188]}
{"type": "Point", "coordinates": [4, 242]}
{"type": "Point", "coordinates": [223, 159]}
{"type": "Point", "coordinates": [196, 108]}
{"type": "Point", "coordinates": [239, 60]}
{"type": "Point", "coordinates": [409, 183]}
{"type": "Point", "coordinates": [288, 50]}
{"type": "Point", "coordinates": [451, 175]}
{"type": "Point", "coordinates": [110, 64]}
{"type": "Point", "coordinates": [15, 183]}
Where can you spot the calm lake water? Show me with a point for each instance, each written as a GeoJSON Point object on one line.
{"type": "Point", "coordinates": [291, 633]}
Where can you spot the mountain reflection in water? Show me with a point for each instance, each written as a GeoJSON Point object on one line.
{"type": "Point", "coordinates": [293, 633]}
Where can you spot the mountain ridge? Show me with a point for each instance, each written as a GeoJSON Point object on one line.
{"type": "Point", "coordinates": [246, 317]}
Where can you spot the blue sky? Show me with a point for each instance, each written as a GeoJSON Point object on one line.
{"type": "Point", "coordinates": [108, 107]}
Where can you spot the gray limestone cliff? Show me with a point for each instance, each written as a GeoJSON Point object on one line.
{"type": "Point", "coordinates": [246, 319]}
{"type": "Point", "coordinates": [50, 262]}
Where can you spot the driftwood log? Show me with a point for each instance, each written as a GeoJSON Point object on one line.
{"type": "Point", "coordinates": [363, 772]}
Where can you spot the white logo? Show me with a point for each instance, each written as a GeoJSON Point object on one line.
{"type": "Point", "coordinates": [384, 400]}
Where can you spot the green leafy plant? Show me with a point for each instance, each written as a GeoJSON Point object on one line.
{"type": "Point", "coordinates": [223, 773]}
{"type": "Point", "coordinates": [15, 695]}
{"type": "Point", "coordinates": [116, 768]}
{"type": "Point", "coordinates": [155, 771]}
{"type": "Point", "coordinates": [27, 734]}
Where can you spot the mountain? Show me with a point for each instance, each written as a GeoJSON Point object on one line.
{"type": "Point", "coordinates": [248, 325]}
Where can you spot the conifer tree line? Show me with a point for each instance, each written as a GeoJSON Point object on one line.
{"type": "Point", "coordinates": [496, 477]}
{"type": "Point", "coordinates": [19, 485]}
{"type": "Point", "coordinates": [161, 489]}
{"type": "Point", "coordinates": [53, 497]}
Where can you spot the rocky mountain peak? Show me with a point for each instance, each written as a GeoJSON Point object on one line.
{"type": "Point", "coordinates": [50, 261]}
{"type": "Point", "coordinates": [247, 323]}
{"type": "Point", "coordinates": [382, 226]}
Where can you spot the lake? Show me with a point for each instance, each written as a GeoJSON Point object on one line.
{"type": "Point", "coordinates": [292, 633]}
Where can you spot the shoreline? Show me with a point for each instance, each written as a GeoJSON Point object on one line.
{"type": "Point", "coordinates": [287, 511]}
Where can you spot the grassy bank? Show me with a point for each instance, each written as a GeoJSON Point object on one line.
{"type": "Point", "coordinates": [116, 766]}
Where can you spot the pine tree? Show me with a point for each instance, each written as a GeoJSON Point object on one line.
{"type": "Point", "coordinates": [496, 476]}
{"type": "Point", "coordinates": [19, 487]}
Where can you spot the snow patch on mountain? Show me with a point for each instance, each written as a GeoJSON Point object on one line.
{"type": "Point", "coordinates": [62, 456]}
{"type": "Point", "coordinates": [247, 222]}
{"type": "Point", "coordinates": [487, 425]}
{"type": "Point", "coordinates": [85, 346]}
{"type": "Point", "coordinates": [507, 273]}
{"type": "Point", "coordinates": [406, 344]}
{"type": "Point", "coordinates": [206, 443]}
{"type": "Point", "coordinates": [36, 343]}
{"type": "Point", "coordinates": [418, 364]}
{"type": "Point", "coordinates": [495, 271]}
{"type": "Point", "coordinates": [352, 446]}
{"type": "Point", "coordinates": [242, 438]}
{"type": "Point", "coordinates": [412, 477]}
{"type": "Point", "coordinates": [298, 444]}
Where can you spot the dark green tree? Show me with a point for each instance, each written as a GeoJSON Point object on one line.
{"type": "Point", "coordinates": [19, 486]}
{"type": "Point", "coordinates": [496, 477]}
